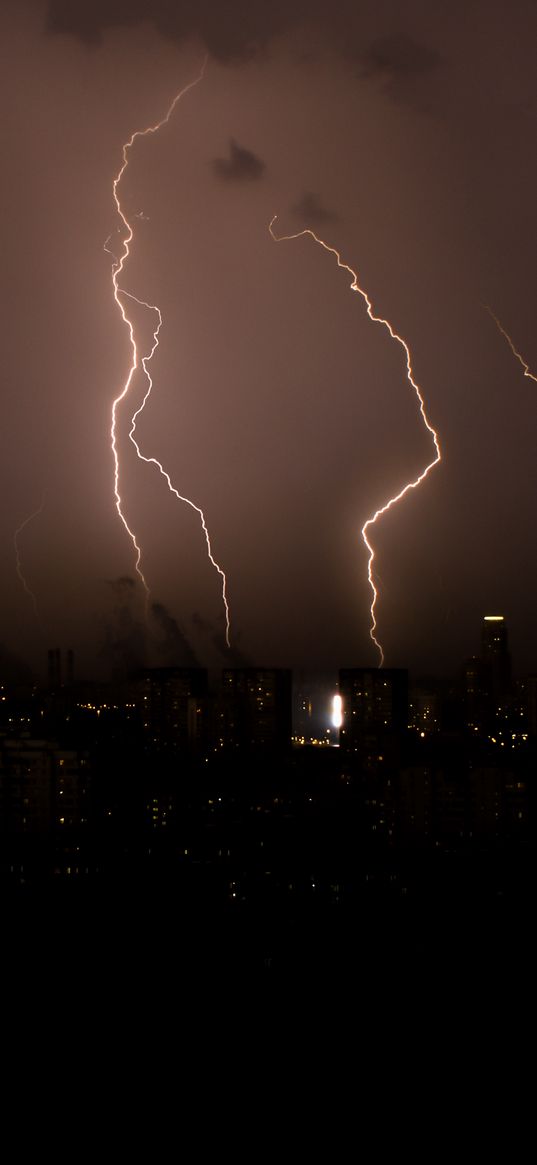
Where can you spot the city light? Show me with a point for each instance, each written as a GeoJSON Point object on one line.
{"type": "Point", "coordinates": [337, 711]}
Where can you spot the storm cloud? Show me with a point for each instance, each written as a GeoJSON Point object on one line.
{"type": "Point", "coordinates": [232, 32]}
{"type": "Point", "coordinates": [241, 166]}
{"type": "Point", "coordinates": [310, 209]}
{"type": "Point", "coordinates": [243, 29]}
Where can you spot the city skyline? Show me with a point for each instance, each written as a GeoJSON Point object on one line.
{"type": "Point", "coordinates": [129, 654]}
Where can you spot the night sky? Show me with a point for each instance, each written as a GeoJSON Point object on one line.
{"type": "Point", "coordinates": [405, 135]}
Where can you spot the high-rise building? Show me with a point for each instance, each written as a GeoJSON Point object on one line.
{"type": "Point", "coordinates": [172, 702]}
{"type": "Point", "coordinates": [495, 654]}
{"type": "Point", "coordinates": [256, 708]}
{"type": "Point", "coordinates": [42, 787]}
{"type": "Point", "coordinates": [477, 694]}
{"type": "Point", "coordinates": [374, 705]}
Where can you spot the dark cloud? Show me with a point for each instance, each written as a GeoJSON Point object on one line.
{"type": "Point", "coordinates": [239, 30]}
{"type": "Point", "coordinates": [235, 31]}
{"type": "Point", "coordinates": [242, 165]}
{"type": "Point", "coordinates": [310, 209]}
{"type": "Point", "coordinates": [231, 31]}
{"type": "Point", "coordinates": [122, 587]}
{"type": "Point", "coordinates": [401, 64]}
{"type": "Point", "coordinates": [173, 647]}
{"type": "Point", "coordinates": [400, 57]}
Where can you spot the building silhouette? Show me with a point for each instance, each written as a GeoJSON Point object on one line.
{"type": "Point", "coordinates": [495, 655]}
{"type": "Point", "coordinates": [375, 705]}
{"type": "Point", "coordinates": [477, 694]}
{"type": "Point", "coordinates": [43, 787]}
{"type": "Point", "coordinates": [256, 709]}
{"type": "Point", "coordinates": [173, 705]}
{"type": "Point", "coordinates": [487, 677]}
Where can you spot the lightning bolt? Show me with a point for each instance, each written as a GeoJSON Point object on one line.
{"type": "Point", "coordinates": [18, 562]}
{"type": "Point", "coordinates": [437, 458]}
{"type": "Point", "coordinates": [510, 342]}
{"type": "Point", "coordinates": [120, 295]}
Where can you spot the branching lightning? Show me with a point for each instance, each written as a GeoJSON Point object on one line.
{"type": "Point", "coordinates": [437, 458]}
{"type": "Point", "coordinates": [510, 342]}
{"type": "Point", "coordinates": [120, 294]}
{"type": "Point", "coordinates": [18, 562]}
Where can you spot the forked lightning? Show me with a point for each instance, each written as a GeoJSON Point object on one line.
{"type": "Point", "coordinates": [437, 458]}
{"type": "Point", "coordinates": [120, 295]}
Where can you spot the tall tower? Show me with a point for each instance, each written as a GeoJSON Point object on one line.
{"type": "Point", "coordinates": [495, 654]}
{"type": "Point", "coordinates": [375, 705]}
{"type": "Point", "coordinates": [172, 701]}
{"type": "Point", "coordinates": [256, 708]}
